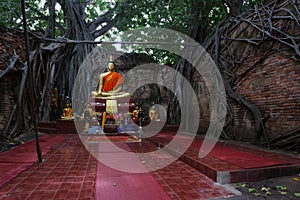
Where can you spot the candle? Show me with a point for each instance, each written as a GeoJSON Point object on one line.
{"type": "Point", "coordinates": [103, 119]}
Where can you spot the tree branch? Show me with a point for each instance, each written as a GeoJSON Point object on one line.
{"type": "Point", "coordinates": [101, 19]}
{"type": "Point", "coordinates": [104, 29]}
{"type": "Point", "coordinates": [12, 63]}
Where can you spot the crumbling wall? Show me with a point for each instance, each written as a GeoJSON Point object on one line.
{"type": "Point", "coordinates": [11, 43]}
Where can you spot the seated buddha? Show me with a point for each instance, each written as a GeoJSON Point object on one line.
{"type": "Point", "coordinates": [67, 112]}
{"type": "Point", "coordinates": [110, 88]}
{"type": "Point", "coordinates": [110, 84]}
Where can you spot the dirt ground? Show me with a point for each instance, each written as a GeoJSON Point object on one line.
{"type": "Point", "coordinates": [280, 188]}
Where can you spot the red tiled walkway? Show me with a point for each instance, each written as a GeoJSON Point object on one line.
{"type": "Point", "coordinates": [70, 172]}
{"type": "Point", "coordinates": [22, 156]}
{"type": "Point", "coordinates": [229, 163]}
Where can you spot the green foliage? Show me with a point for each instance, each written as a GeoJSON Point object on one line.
{"type": "Point", "coordinates": [11, 14]}
{"type": "Point", "coordinates": [95, 8]}
{"type": "Point", "coordinates": [179, 15]}
{"type": "Point", "coordinates": [175, 15]}
{"type": "Point", "coordinates": [37, 13]}
{"type": "Point", "coordinates": [161, 56]}
{"type": "Point", "coordinates": [10, 17]}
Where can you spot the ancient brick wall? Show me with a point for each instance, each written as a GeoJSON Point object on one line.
{"type": "Point", "coordinates": [5, 102]}
{"type": "Point", "coordinates": [8, 90]}
{"type": "Point", "coordinates": [10, 41]}
{"type": "Point", "coordinates": [273, 86]}
{"type": "Point", "coordinates": [262, 66]}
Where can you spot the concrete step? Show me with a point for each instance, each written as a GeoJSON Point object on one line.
{"type": "Point", "coordinates": [47, 127]}
{"type": "Point", "coordinates": [60, 126]}
{"type": "Point", "coordinates": [47, 130]}
{"type": "Point", "coordinates": [65, 126]}
{"type": "Point", "coordinates": [225, 172]}
{"type": "Point", "coordinates": [47, 124]}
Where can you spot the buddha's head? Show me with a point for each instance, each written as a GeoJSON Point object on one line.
{"type": "Point", "coordinates": [111, 66]}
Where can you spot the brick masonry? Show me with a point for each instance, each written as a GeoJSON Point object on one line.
{"type": "Point", "coordinates": [266, 74]}
{"type": "Point", "coordinates": [10, 40]}
{"type": "Point", "coordinates": [7, 92]}
{"type": "Point", "coordinates": [273, 86]}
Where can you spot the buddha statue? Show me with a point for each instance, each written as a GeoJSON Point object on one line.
{"type": "Point", "coordinates": [87, 114]}
{"type": "Point", "coordinates": [110, 84]}
{"type": "Point", "coordinates": [153, 114]}
{"type": "Point", "coordinates": [67, 112]}
{"type": "Point", "coordinates": [110, 88]}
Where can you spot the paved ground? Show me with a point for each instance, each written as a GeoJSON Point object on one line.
{"type": "Point", "coordinates": [70, 172]}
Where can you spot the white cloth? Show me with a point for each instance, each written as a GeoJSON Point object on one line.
{"type": "Point", "coordinates": [111, 106]}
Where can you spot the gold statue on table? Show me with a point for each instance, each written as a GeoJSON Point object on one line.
{"type": "Point", "coordinates": [67, 112]}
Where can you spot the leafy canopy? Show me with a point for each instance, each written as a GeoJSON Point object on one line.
{"type": "Point", "coordinates": [185, 16]}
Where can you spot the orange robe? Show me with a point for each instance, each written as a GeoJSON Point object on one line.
{"type": "Point", "coordinates": [111, 81]}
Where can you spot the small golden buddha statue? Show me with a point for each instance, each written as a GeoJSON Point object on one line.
{"type": "Point", "coordinates": [153, 114]}
{"type": "Point", "coordinates": [67, 112]}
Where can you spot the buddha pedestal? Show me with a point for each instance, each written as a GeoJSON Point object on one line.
{"type": "Point", "coordinates": [124, 105]}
